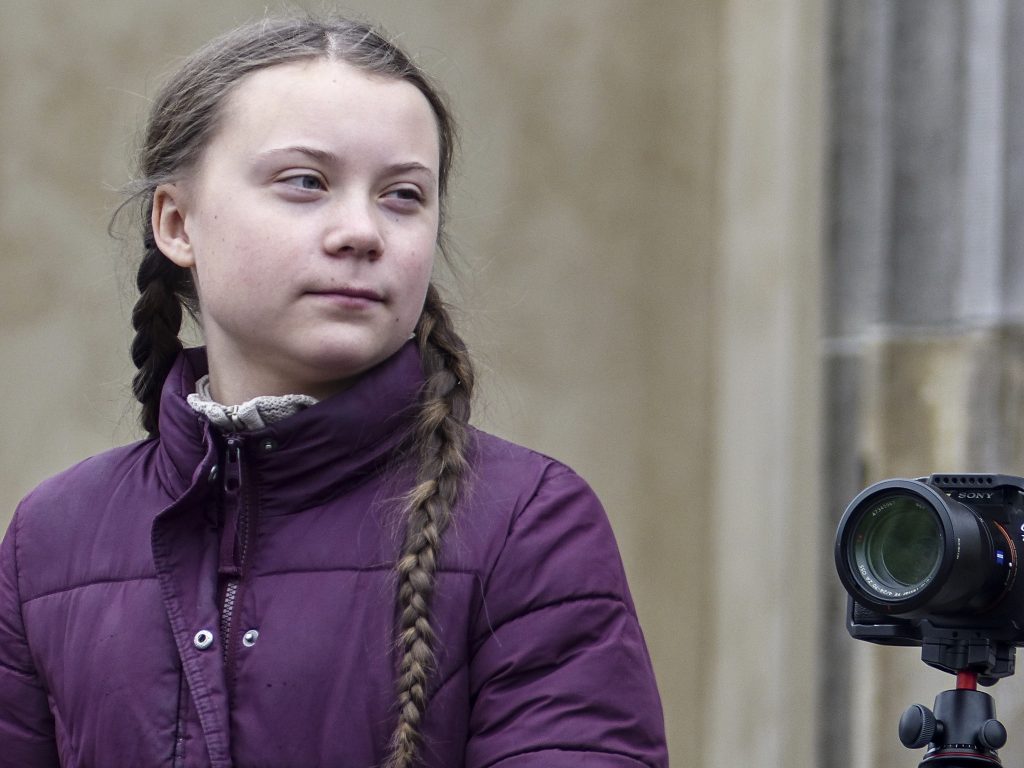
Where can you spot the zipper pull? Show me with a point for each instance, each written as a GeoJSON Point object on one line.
{"type": "Point", "coordinates": [233, 465]}
{"type": "Point", "coordinates": [228, 566]}
{"type": "Point", "coordinates": [231, 412]}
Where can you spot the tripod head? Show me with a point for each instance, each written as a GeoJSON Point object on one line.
{"type": "Point", "coordinates": [961, 732]}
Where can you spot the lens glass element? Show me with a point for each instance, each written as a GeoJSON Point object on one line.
{"type": "Point", "coordinates": [898, 545]}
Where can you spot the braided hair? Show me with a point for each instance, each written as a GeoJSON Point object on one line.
{"type": "Point", "coordinates": [164, 289]}
{"type": "Point", "coordinates": [440, 438]}
{"type": "Point", "coordinates": [182, 121]}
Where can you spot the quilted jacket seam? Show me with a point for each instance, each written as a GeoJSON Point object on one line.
{"type": "Point", "coordinates": [566, 748]}
{"type": "Point", "coordinates": [83, 585]}
{"type": "Point", "coordinates": [596, 597]}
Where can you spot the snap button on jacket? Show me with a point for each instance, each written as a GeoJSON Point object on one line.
{"type": "Point", "coordinates": [116, 648]}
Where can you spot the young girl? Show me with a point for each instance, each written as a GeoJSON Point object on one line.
{"type": "Point", "coordinates": [313, 560]}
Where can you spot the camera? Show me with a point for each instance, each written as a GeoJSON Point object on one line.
{"type": "Point", "coordinates": [934, 563]}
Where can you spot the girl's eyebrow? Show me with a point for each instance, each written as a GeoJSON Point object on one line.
{"type": "Point", "coordinates": [330, 158]}
{"type": "Point", "coordinates": [321, 155]}
{"type": "Point", "coordinates": [410, 167]}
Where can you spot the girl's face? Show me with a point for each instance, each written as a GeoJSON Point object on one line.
{"type": "Point", "coordinates": [310, 226]}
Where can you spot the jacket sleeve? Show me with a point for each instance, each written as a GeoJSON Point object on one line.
{"type": "Point", "coordinates": [26, 725]}
{"type": "Point", "coordinates": [560, 674]}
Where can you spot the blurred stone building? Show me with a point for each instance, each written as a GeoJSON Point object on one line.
{"type": "Point", "coordinates": [923, 352]}
{"type": "Point", "coordinates": [730, 259]}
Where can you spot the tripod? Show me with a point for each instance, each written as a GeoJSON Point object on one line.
{"type": "Point", "coordinates": [962, 732]}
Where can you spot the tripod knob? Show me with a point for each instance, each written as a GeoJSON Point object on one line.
{"type": "Point", "coordinates": [917, 726]}
{"type": "Point", "coordinates": [992, 734]}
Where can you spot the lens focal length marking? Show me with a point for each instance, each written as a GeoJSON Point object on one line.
{"type": "Point", "coordinates": [897, 546]}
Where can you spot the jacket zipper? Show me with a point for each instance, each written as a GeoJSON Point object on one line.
{"type": "Point", "coordinates": [234, 547]}
{"type": "Point", "coordinates": [227, 611]}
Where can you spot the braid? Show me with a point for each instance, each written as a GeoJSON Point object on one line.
{"type": "Point", "coordinates": [163, 288]}
{"type": "Point", "coordinates": [441, 437]}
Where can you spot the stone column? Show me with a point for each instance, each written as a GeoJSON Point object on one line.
{"type": "Point", "coordinates": [766, 497]}
{"type": "Point", "coordinates": [924, 364]}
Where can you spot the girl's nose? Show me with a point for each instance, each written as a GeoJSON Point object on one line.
{"type": "Point", "coordinates": [353, 231]}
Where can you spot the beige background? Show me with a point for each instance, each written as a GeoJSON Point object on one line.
{"type": "Point", "coordinates": [637, 216]}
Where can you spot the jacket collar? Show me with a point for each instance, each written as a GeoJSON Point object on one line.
{"type": "Point", "coordinates": [306, 457]}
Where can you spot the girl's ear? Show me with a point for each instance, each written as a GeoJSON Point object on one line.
{"type": "Point", "coordinates": [168, 221]}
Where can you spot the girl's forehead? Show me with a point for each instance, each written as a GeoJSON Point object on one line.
{"type": "Point", "coordinates": [331, 100]}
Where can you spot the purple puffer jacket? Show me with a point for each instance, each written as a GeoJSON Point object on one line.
{"type": "Point", "coordinates": [116, 650]}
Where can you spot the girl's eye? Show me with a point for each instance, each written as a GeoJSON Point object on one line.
{"type": "Point", "coordinates": [405, 194]}
{"type": "Point", "coordinates": [305, 181]}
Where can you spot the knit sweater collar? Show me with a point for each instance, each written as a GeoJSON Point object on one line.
{"type": "Point", "coordinates": [306, 456]}
{"type": "Point", "coordinates": [251, 415]}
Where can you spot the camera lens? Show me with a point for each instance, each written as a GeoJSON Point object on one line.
{"type": "Point", "coordinates": [906, 548]}
{"type": "Point", "coordinates": [898, 545]}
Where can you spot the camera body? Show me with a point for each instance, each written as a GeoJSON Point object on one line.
{"type": "Point", "coordinates": [934, 563]}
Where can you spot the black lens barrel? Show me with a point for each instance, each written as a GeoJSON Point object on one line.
{"type": "Point", "coordinates": [906, 548]}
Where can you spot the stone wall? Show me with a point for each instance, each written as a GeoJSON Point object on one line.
{"type": "Point", "coordinates": [924, 355]}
